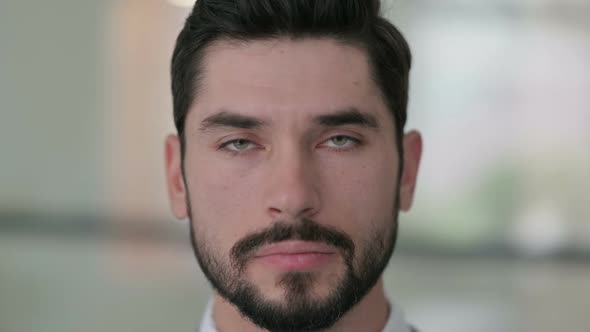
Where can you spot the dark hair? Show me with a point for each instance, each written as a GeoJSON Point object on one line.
{"type": "Point", "coordinates": [356, 22]}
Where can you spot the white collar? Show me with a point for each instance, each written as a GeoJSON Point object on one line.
{"type": "Point", "coordinates": [395, 323]}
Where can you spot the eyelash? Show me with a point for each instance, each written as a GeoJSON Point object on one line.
{"type": "Point", "coordinates": [355, 141]}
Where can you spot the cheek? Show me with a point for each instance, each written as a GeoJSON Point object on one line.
{"type": "Point", "coordinates": [222, 202]}
{"type": "Point", "coordinates": [361, 194]}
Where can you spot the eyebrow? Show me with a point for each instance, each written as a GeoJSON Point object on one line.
{"type": "Point", "coordinates": [351, 116]}
{"type": "Point", "coordinates": [232, 120]}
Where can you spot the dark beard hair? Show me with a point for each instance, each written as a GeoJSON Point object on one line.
{"type": "Point", "coordinates": [299, 312]}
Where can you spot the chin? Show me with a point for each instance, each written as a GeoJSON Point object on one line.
{"type": "Point", "coordinates": [276, 285]}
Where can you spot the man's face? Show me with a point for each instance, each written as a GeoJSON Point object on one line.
{"type": "Point", "coordinates": [290, 179]}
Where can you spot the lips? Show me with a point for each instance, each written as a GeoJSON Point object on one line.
{"type": "Point", "coordinates": [295, 248]}
{"type": "Point", "coordinates": [296, 255]}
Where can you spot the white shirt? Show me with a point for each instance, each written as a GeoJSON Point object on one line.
{"type": "Point", "coordinates": [395, 323]}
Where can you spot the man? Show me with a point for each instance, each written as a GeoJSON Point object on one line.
{"type": "Point", "coordinates": [291, 160]}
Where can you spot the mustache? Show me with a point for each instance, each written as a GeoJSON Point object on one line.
{"type": "Point", "coordinates": [303, 230]}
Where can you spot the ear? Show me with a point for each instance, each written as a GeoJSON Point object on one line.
{"type": "Point", "coordinates": [412, 153]}
{"type": "Point", "coordinates": [176, 189]}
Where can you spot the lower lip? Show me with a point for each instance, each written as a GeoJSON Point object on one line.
{"type": "Point", "coordinates": [297, 262]}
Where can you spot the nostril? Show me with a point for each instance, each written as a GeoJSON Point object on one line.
{"type": "Point", "coordinates": [274, 212]}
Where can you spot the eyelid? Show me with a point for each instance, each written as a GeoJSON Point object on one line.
{"type": "Point", "coordinates": [234, 137]}
{"type": "Point", "coordinates": [223, 144]}
{"type": "Point", "coordinates": [342, 133]}
{"type": "Point", "coordinates": [351, 138]}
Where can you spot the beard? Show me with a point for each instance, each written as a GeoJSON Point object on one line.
{"type": "Point", "coordinates": [299, 311]}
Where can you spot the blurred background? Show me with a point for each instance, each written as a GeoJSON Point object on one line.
{"type": "Point", "coordinates": [499, 236]}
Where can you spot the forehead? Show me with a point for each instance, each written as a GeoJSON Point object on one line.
{"type": "Point", "coordinates": [282, 76]}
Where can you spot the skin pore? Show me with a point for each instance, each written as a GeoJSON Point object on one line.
{"type": "Point", "coordinates": [285, 137]}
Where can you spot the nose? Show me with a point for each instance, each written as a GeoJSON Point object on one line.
{"type": "Point", "coordinates": [293, 186]}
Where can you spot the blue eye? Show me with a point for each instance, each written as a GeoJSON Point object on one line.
{"type": "Point", "coordinates": [342, 141]}
{"type": "Point", "coordinates": [237, 145]}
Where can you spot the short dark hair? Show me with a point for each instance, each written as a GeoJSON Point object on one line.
{"type": "Point", "coordinates": [355, 22]}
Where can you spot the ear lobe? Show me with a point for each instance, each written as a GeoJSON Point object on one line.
{"type": "Point", "coordinates": [175, 183]}
{"type": "Point", "coordinates": [412, 142]}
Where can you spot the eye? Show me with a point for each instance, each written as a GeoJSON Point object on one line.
{"type": "Point", "coordinates": [237, 145]}
{"type": "Point", "coordinates": [342, 141]}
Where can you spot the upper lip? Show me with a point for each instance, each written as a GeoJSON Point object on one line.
{"type": "Point", "coordinates": [295, 247]}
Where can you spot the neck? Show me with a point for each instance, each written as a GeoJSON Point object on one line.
{"type": "Point", "coordinates": [370, 315]}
